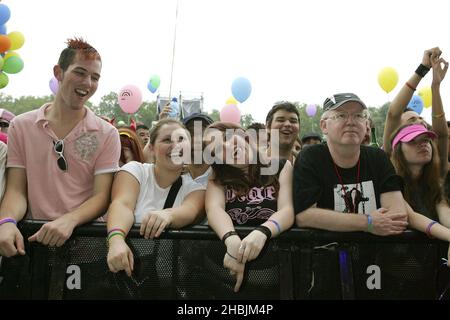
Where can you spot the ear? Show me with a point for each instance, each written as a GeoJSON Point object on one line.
{"type": "Point", "coordinates": [58, 73]}
{"type": "Point", "coordinates": [323, 126]}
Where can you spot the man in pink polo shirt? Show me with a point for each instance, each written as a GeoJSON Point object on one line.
{"type": "Point", "coordinates": [61, 157]}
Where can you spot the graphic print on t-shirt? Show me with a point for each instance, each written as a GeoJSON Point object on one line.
{"type": "Point", "coordinates": [357, 198]}
{"type": "Point", "coordinates": [255, 206]}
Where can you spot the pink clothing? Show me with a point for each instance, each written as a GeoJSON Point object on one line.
{"type": "Point", "coordinates": [91, 148]}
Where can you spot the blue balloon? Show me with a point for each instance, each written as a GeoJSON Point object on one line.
{"type": "Point", "coordinates": [241, 89]}
{"type": "Point", "coordinates": [3, 29]}
{"type": "Point", "coordinates": [5, 14]}
{"type": "Point", "coordinates": [416, 104]}
{"type": "Point", "coordinates": [151, 88]}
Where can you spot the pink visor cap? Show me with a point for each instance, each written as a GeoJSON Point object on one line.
{"type": "Point", "coordinates": [410, 133]}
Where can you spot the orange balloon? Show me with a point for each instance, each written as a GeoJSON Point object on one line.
{"type": "Point", "coordinates": [5, 43]}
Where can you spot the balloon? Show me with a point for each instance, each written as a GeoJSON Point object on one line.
{"type": "Point", "coordinates": [154, 83]}
{"type": "Point", "coordinates": [5, 43]}
{"type": "Point", "coordinates": [311, 110]}
{"type": "Point", "coordinates": [54, 85]}
{"type": "Point", "coordinates": [241, 89]}
{"type": "Point", "coordinates": [13, 65]}
{"type": "Point", "coordinates": [3, 80]}
{"type": "Point", "coordinates": [5, 14]}
{"type": "Point", "coordinates": [174, 108]}
{"type": "Point", "coordinates": [2, 60]}
{"type": "Point", "coordinates": [231, 100]}
{"type": "Point", "coordinates": [416, 104]}
{"type": "Point", "coordinates": [230, 113]}
{"type": "Point", "coordinates": [130, 98]}
{"type": "Point", "coordinates": [425, 94]}
{"type": "Point", "coordinates": [11, 54]}
{"type": "Point", "coordinates": [3, 29]}
{"type": "Point", "coordinates": [388, 79]}
{"type": "Point", "coordinates": [17, 40]}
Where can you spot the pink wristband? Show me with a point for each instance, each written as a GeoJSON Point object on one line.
{"type": "Point", "coordinates": [6, 220]}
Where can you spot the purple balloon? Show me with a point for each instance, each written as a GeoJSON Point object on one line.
{"type": "Point", "coordinates": [311, 110]}
{"type": "Point", "coordinates": [54, 85]}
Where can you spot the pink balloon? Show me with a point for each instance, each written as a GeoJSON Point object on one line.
{"type": "Point", "coordinates": [130, 98]}
{"type": "Point", "coordinates": [311, 110]}
{"type": "Point", "coordinates": [230, 113]}
{"type": "Point", "coordinates": [54, 85]}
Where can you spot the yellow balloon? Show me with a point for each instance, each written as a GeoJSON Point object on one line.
{"type": "Point", "coordinates": [11, 54]}
{"type": "Point", "coordinates": [231, 100]}
{"type": "Point", "coordinates": [17, 40]}
{"type": "Point", "coordinates": [388, 79]}
{"type": "Point", "coordinates": [425, 94]}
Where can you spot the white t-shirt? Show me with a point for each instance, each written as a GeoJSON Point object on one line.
{"type": "Point", "coordinates": [151, 195]}
{"type": "Point", "coordinates": [203, 179]}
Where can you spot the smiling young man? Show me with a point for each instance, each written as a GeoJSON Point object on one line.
{"type": "Point", "coordinates": [61, 157]}
{"type": "Point", "coordinates": [285, 118]}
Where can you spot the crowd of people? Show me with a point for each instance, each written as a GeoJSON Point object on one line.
{"type": "Point", "coordinates": [160, 177]}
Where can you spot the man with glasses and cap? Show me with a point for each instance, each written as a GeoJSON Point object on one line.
{"type": "Point", "coordinates": [343, 176]}
{"type": "Point", "coordinates": [342, 185]}
{"type": "Point", "coordinates": [61, 157]}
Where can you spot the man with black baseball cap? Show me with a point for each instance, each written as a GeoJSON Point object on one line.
{"type": "Point", "coordinates": [343, 185]}
{"type": "Point", "coordinates": [342, 176]}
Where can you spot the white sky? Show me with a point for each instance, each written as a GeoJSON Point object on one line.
{"type": "Point", "coordinates": [289, 50]}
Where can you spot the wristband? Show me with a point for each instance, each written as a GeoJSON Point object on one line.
{"type": "Point", "coordinates": [6, 220]}
{"type": "Point", "coordinates": [229, 234]}
{"type": "Point", "coordinates": [114, 233]}
{"type": "Point", "coordinates": [422, 70]}
{"type": "Point", "coordinates": [410, 86]}
{"type": "Point", "coordinates": [369, 224]}
{"type": "Point", "coordinates": [231, 256]}
{"type": "Point", "coordinates": [440, 115]}
{"type": "Point", "coordinates": [116, 229]}
{"type": "Point", "coordinates": [427, 231]}
{"type": "Point", "coordinates": [264, 230]}
{"type": "Point", "coordinates": [276, 224]}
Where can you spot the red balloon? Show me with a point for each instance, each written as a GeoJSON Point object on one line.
{"type": "Point", "coordinates": [5, 43]}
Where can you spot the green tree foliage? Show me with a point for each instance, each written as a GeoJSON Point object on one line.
{"type": "Point", "coordinates": [110, 108]}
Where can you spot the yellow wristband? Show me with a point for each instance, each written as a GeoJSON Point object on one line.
{"type": "Point", "coordinates": [438, 115]}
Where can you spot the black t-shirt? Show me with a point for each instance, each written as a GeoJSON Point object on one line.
{"type": "Point", "coordinates": [316, 180]}
{"type": "Point", "coordinates": [255, 207]}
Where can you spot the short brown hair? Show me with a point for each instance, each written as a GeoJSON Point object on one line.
{"type": "Point", "coordinates": [284, 105]}
{"type": "Point", "coordinates": [74, 46]}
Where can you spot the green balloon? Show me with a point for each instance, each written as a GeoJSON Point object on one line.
{"type": "Point", "coordinates": [1, 62]}
{"type": "Point", "coordinates": [4, 80]}
{"type": "Point", "coordinates": [155, 81]}
{"type": "Point", "coordinates": [13, 65]}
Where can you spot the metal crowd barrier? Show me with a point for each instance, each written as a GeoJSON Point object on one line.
{"type": "Point", "coordinates": [188, 264]}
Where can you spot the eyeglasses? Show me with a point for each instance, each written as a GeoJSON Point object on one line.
{"type": "Point", "coordinates": [343, 116]}
{"type": "Point", "coordinates": [58, 147]}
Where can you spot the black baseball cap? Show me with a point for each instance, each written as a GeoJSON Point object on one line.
{"type": "Point", "coordinates": [338, 99]}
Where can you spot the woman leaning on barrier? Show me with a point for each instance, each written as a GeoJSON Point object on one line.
{"type": "Point", "coordinates": [155, 195]}
{"type": "Point", "coordinates": [415, 158]}
{"type": "Point", "coordinates": [238, 195]}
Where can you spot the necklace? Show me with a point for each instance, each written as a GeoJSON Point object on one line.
{"type": "Point", "coordinates": [351, 206]}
